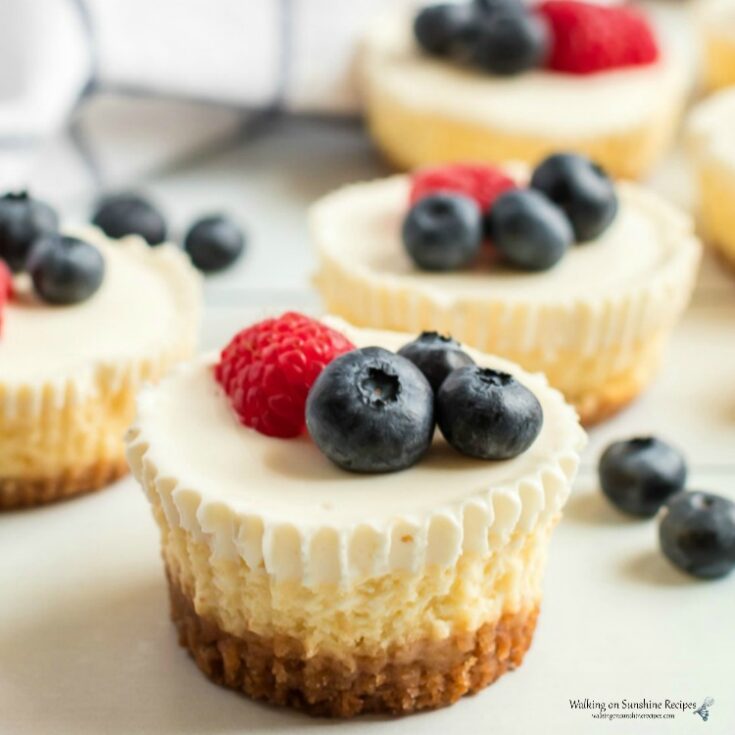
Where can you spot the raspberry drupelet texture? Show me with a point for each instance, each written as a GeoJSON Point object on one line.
{"type": "Point", "coordinates": [588, 38]}
{"type": "Point", "coordinates": [268, 368]}
{"type": "Point", "coordinates": [6, 289]}
{"type": "Point", "coordinates": [481, 183]}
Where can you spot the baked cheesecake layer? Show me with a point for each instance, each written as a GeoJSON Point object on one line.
{"type": "Point", "coordinates": [369, 617]}
{"type": "Point", "coordinates": [424, 110]}
{"type": "Point", "coordinates": [595, 324]}
{"type": "Point", "coordinates": [299, 583]}
{"type": "Point", "coordinates": [410, 137]}
{"type": "Point", "coordinates": [25, 493]}
{"type": "Point", "coordinates": [717, 24]}
{"type": "Point", "coordinates": [426, 675]}
{"type": "Point", "coordinates": [712, 148]}
{"type": "Point", "coordinates": [69, 375]}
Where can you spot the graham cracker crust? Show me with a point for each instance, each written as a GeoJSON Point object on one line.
{"type": "Point", "coordinates": [426, 676]}
{"type": "Point", "coordinates": [16, 493]}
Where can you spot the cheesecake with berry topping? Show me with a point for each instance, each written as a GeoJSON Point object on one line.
{"type": "Point", "coordinates": [85, 321]}
{"type": "Point", "coordinates": [560, 269]}
{"type": "Point", "coordinates": [716, 20]}
{"type": "Point", "coordinates": [493, 81]}
{"type": "Point", "coordinates": [321, 556]}
{"type": "Point", "coordinates": [711, 144]}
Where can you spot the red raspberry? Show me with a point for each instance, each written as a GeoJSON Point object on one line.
{"type": "Point", "coordinates": [6, 289]}
{"type": "Point", "coordinates": [589, 38]}
{"type": "Point", "coordinates": [268, 369]}
{"type": "Point", "coordinates": [482, 183]}
{"type": "Point", "coordinates": [6, 282]}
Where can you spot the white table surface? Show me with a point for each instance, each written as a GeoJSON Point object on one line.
{"type": "Point", "coordinates": [85, 642]}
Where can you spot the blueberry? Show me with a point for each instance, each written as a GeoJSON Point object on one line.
{"type": "Point", "coordinates": [65, 270]}
{"type": "Point", "coordinates": [639, 475]}
{"type": "Point", "coordinates": [214, 243]}
{"type": "Point", "coordinates": [697, 534]}
{"type": "Point", "coordinates": [495, 6]}
{"type": "Point", "coordinates": [435, 356]}
{"type": "Point", "coordinates": [582, 189]}
{"type": "Point", "coordinates": [371, 411]}
{"type": "Point", "coordinates": [436, 27]}
{"type": "Point", "coordinates": [487, 414]}
{"type": "Point", "coordinates": [123, 214]}
{"type": "Point", "coordinates": [506, 41]}
{"type": "Point", "coordinates": [22, 220]}
{"type": "Point", "coordinates": [530, 231]}
{"type": "Point", "coordinates": [443, 231]}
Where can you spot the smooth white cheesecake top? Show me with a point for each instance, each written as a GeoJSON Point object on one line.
{"type": "Point", "coordinates": [360, 225]}
{"type": "Point", "coordinates": [535, 103]}
{"type": "Point", "coordinates": [229, 480]}
{"type": "Point", "coordinates": [135, 313]}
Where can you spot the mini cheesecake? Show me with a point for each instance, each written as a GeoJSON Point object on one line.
{"type": "Point", "coordinates": [301, 584]}
{"type": "Point", "coordinates": [69, 374]}
{"type": "Point", "coordinates": [717, 31]}
{"type": "Point", "coordinates": [427, 110]}
{"type": "Point", "coordinates": [711, 140]}
{"type": "Point", "coordinates": [596, 323]}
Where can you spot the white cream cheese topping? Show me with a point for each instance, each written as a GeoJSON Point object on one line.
{"type": "Point", "coordinates": [534, 103]}
{"type": "Point", "coordinates": [137, 311]}
{"type": "Point", "coordinates": [282, 504]}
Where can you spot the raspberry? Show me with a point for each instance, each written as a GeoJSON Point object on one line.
{"type": "Point", "coordinates": [268, 368]}
{"type": "Point", "coordinates": [6, 289]}
{"type": "Point", "coordinates": [482, 183]}
{"type": "Point", "coordinates": [6, 282]}
{"type": "Point", "coordinates": [589, 38]}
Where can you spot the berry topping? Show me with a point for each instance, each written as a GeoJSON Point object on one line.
{"type": "Point", "coordinates": [481, 183]}
{"type": "Point", "coordinates": [582, 189]}
{"type": "Point", "coordinates": [588, 38]}
{"type": "Point", "coordinates": [443, 231]}
{"type": "Point", "coordinates": [529, 231]}
{"type": "Point", "coordinates": [118, 215]}
{"type": "Point", "coordinates": [6, 289]}
{"type": "Point", "coordinates": [371, 411]}
{"type": "Point", "coordinates": [268, 368]}
{"type": "Point", "coordinates": [22, 220]}
{"type": "Point", "coordinates": [506, 40]}
{"type": "Point", "coordinates": [639, 475]}
{"type": "Point", "coordinates": [436, 27]}
{"type": "Point", "coordinates": [487, 414]}
{"type": "Point", "coordinates": [214, 243]}
{"type": "Point", "coordinates": [435, 356]}
{"type": "Point", "coordinates": [65, 270]}
{"type": "Point", "coordinates": [697, 534]}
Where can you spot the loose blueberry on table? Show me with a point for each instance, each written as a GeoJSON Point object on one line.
{"type": "Point", "coordinates": [697, 534]}
{"type": "Point", "coordinates": [128, 213]}
{"type": "Point", "coordinates": [508, 37]}
{"type": "Point", "coordinates": [435, 355]}
{"type": "Point", "coordinates": [569, 199]}
{"type": "Point", "coordinates": [214, 243]}
{"type": "Point", "coordinates": [639, 475]}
